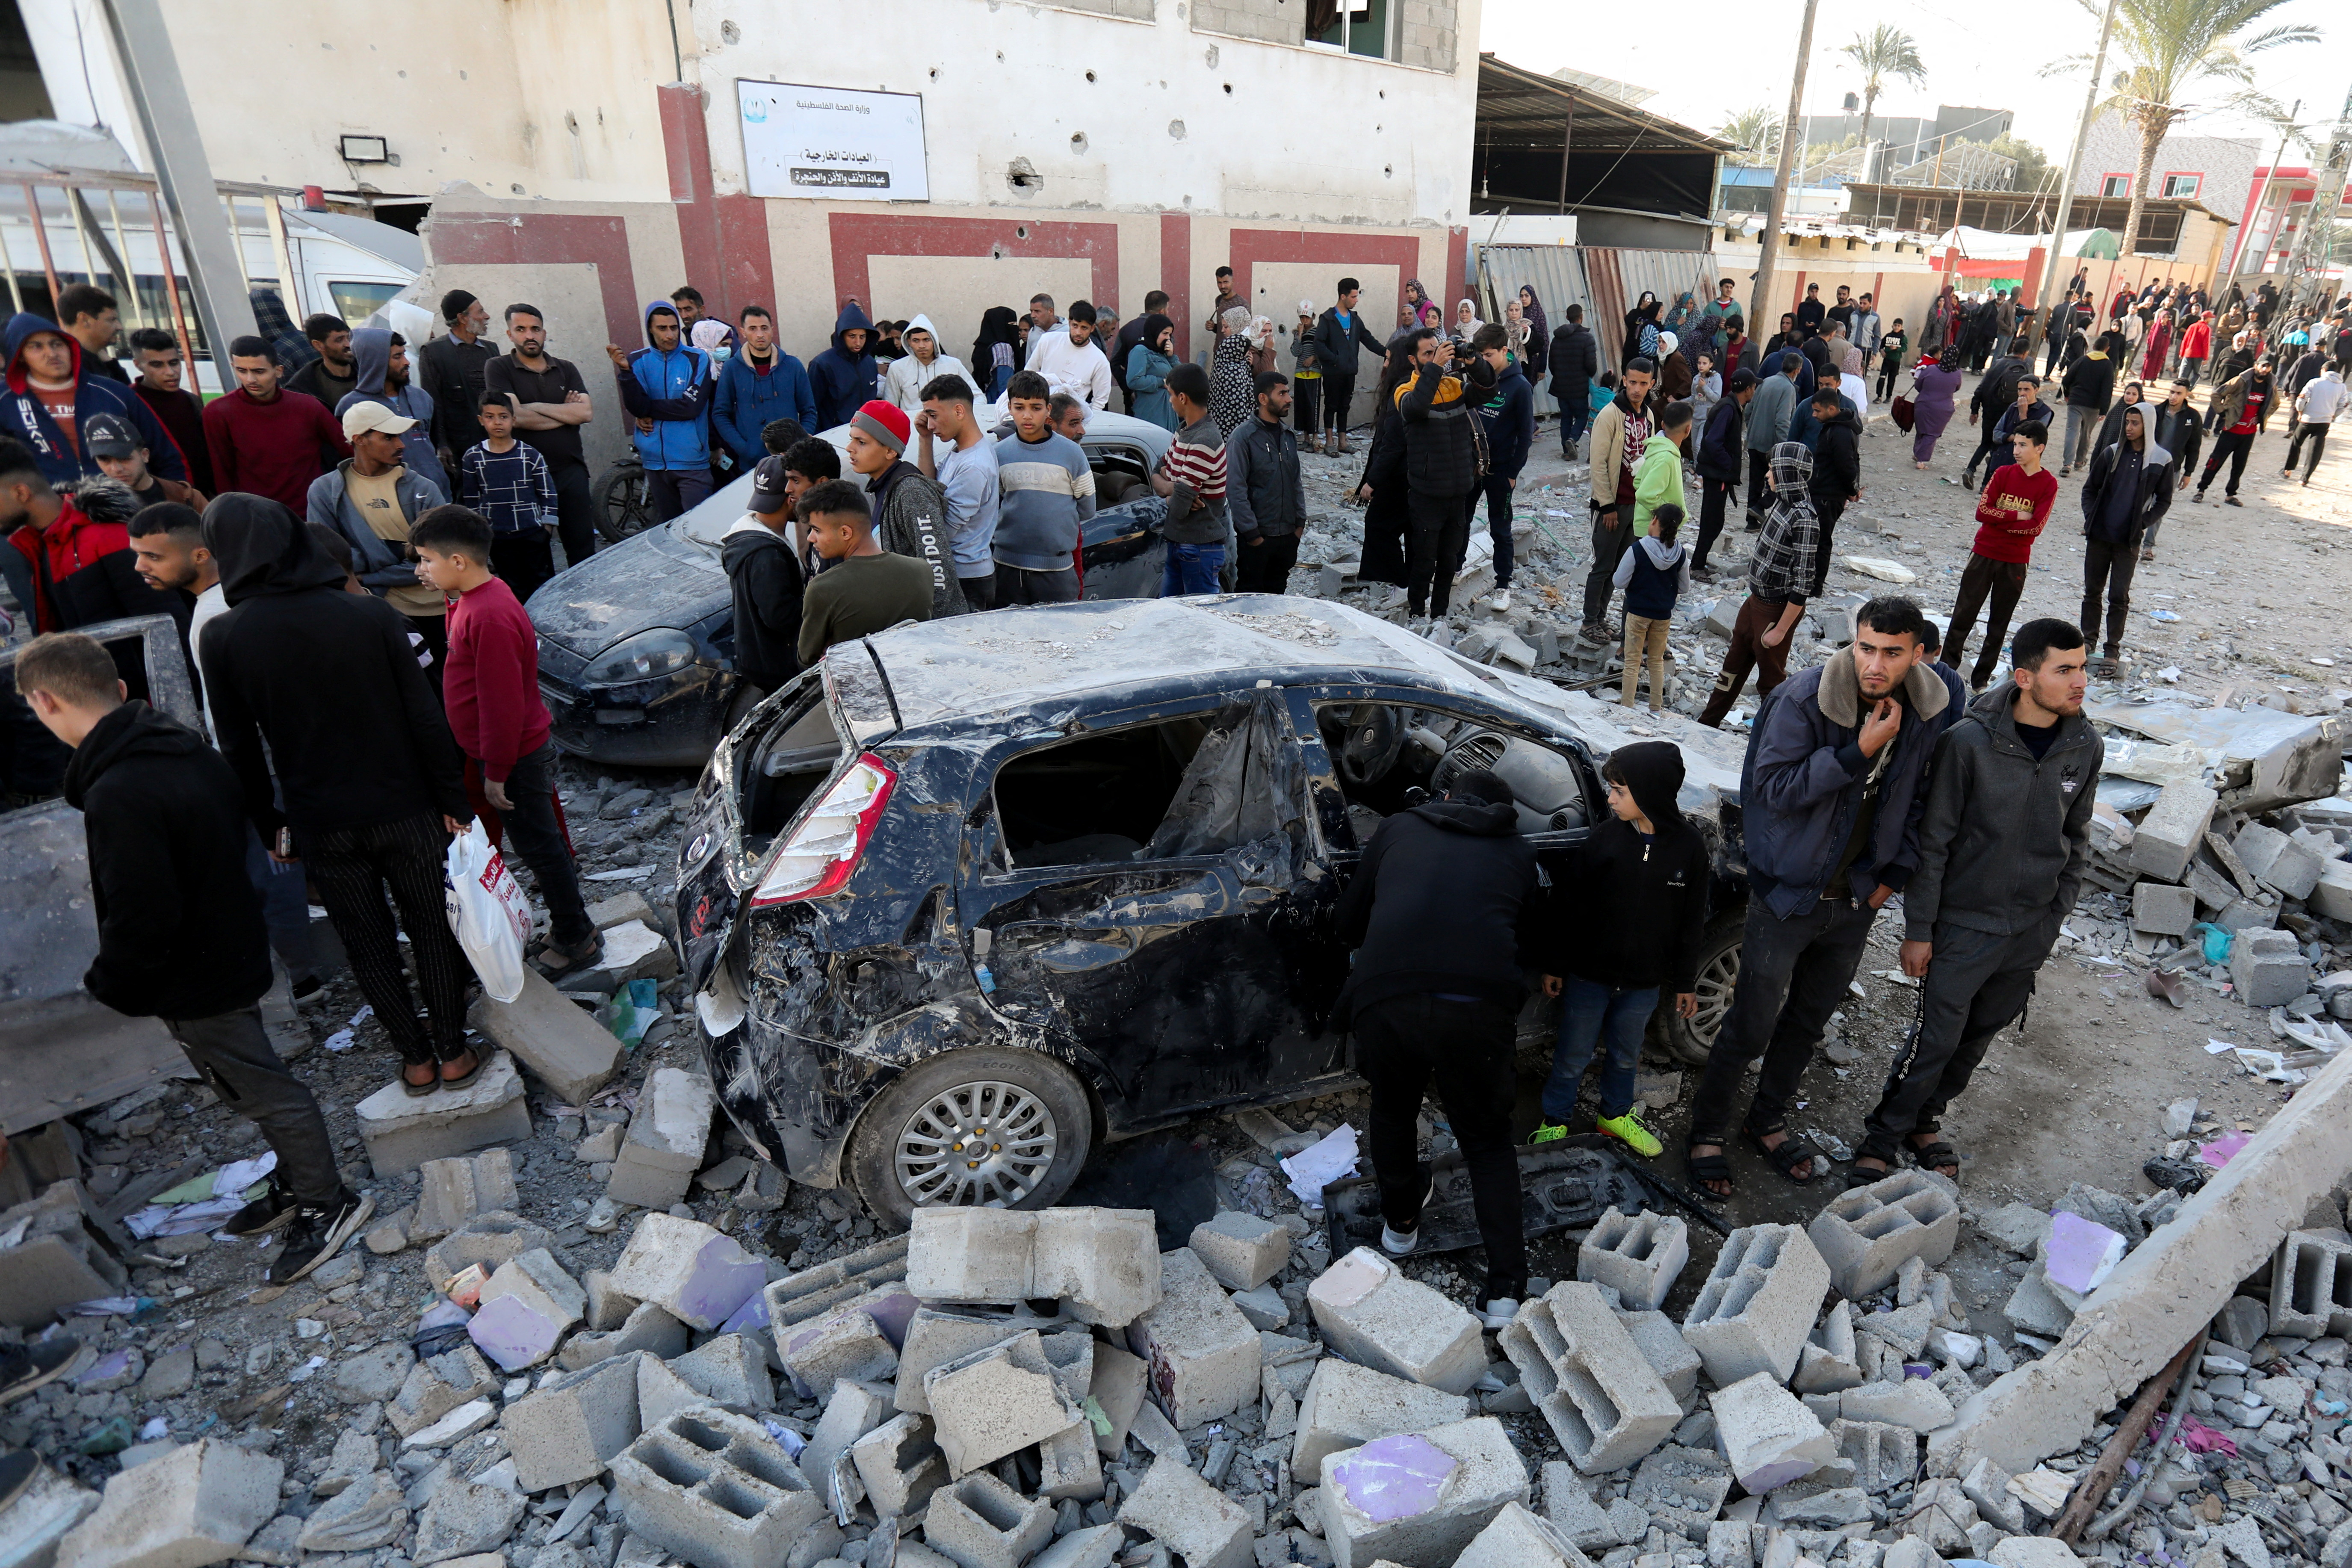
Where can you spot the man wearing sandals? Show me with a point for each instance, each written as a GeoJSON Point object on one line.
{"type": "Point", "coordinates": [2009, 806]}
{"type": "Point", "coordinates": [1831, 792]}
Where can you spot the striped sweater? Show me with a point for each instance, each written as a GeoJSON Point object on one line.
{"type": "Point", "coordinates": [1046, 492]}
{"type": "Point", "coordinates": [1196, 507]}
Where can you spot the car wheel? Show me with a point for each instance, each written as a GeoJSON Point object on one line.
{"type": "Point", "coordinates": [624, 502]}
{"type": "Point", "coordinates": [997, 1129]}
{"type": "Point", "coordinates": [1688, 1040]}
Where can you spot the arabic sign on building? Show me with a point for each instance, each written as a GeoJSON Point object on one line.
{"type": "Point", "coordinates": [831, 142]}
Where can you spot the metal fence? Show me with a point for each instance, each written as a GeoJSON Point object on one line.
{"type": "Point", "coordinates": [1604, 280]}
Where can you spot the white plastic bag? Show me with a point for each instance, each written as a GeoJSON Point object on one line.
{"type": "Point", "coordinates": [487, 911]}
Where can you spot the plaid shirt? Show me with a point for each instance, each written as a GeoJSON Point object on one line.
{"type": "Point", "coordinates": [512, 489]}
{"type": "Point", "coordinates": [1780, 568]}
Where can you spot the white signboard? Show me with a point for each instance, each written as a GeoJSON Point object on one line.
{"type": "Point", "coordinates": [831, 142]}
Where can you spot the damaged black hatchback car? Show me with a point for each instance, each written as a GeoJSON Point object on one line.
{"type": "Point", "coordinates": [975, 896]}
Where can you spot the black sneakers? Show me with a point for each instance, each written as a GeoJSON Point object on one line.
{"type": "Point", "coordinates": [264, 1213]}
{"type": "Point", "coordinates": [315, 1233]}
{"type": "Point", "coordinates": [25, 1369]}
{"type": "Point", "coordinates": [18, 1467]}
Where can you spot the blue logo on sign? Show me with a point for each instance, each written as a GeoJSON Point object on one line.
{"type": "Point", "coordinates": [755, 109]}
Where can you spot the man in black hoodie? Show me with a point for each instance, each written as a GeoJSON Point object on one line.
{"type": "Point", "coordinates": [1837, 470]}
{"type": "Point", "coordinates": [765, 577]}
{"type": "Point", "coordinates": [1439, 911]}
{"type": "Point", "coordinates": [371, 775]}
{"type": "Point", "coordinates": [179, 935]}
{"type": "Point", "coordinates": [1444, 454]}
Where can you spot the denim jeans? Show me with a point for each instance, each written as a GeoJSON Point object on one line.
{"type": "Point", "coordinates": [1191, 569]}
{"type": "Point", "coordinates": [1593, 1015]}
{"type": "Point", "coordinates": [1573, 424]}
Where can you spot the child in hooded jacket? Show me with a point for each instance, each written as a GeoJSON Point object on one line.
{"type": "Point", "coordinates": [1653, 573]}
{"type": "Point", "coordinates": [1629, 915]}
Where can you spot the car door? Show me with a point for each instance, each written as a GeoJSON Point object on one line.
{"type": "Point", "coordinates": [1175, 968]}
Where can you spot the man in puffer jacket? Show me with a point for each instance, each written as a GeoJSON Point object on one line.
{"type": "Point", "coordinates": [1443, 460]}
{"type": "Point", "coordinates": [1620, 436]}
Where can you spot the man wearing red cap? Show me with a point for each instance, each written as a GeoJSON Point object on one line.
{"type": "Point", "coordinates": [910, 512]}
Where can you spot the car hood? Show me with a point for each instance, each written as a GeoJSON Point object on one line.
{"type": "Point", "coordinates": [669, 575]}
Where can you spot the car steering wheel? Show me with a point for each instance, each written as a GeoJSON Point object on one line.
{"type": "Point", "coordinates": [1363, 739]}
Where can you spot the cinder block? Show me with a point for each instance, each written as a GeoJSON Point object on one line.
{"type": "Point", "coordinates": [572, 1426]}
{"type": "Point", "coordinates": [1987, 1486]}
{"type": "Point", "coordinates": [1755, 1309]}
{"type": "Point", "coordinates": [1681, 1489]}
{"type": "Point", "coordinates": [715, 1489]}
{"type": "Point", "coordinates": [1070, 1357]}
{"type": "Point", "coordinates": [1914, 1402]}
{"type": "Point", "coordinates": [697, 1275]}
{"type": "Point", "coordinates": [1766, 1434]}
{"type": "Point", "coordinates": [1346, 1405]}
{"type": "Point", "coordinates": [1103, 1265]}
{"type": "Point", "coordinates": [452, 1192]}
{"type": "Point", "coordinates": [437, 1387]}
{"type": "Point", "coordinates": [525, 1308]}
{"type": "Point", "coordinates": [1637, 1256]}
{"type": "Point", "coordinates": [488, 1239]}
{"type": "Point", "coordinates": [1004, 1398]}
{"type": "Point", "coordinates": [844, 1342]}
{"type": "Point", "coordinates": [2278, 861]}
{"type": "Point", "coordinates": [66, 1252]}
{"type": "Point", "coordinates": [2161, 909]}
{"type": "Point", "coordinates": [2331, 895]}
{"type": "Point", "coordinates": [1241, 1250]}
{"type": "Point", "coordinates": [1094, 1548]}
{"type": "Point", "coordinates": [730, 1370]}
{"type": "Point", "coordinates": [1606, 1404]}
{"type": "Point", "coordinates": [813, 1292]}
{"type": "Point", "coordinates": [900, 1463]}
{"type": "Point", "coordinates": [1069, 1466]}
{"type": "Point", "coordinates": [1662, 1346]}
{"type": "Point", "coordinates": [1519, 1538]}
{"type": "Point", "coordinates": [1192, 1518]}
{"type": "Point", "coordinates": [1883, 1456]}
{"type": "Point", "coordinates": [667, 1137]}
{"type": "Point", "coordinates": [2310, 1286]}
{"type": "Point", "coordinates": [971, 1255]}
{"type": "Point", "coordinates": [1419, 1497]}
{"type": "Point", "coordinates": [851, 1411]}
{"type": "Point", "coordinates": [936, 1336]}
{"type": "Point", "coordinates": [662, 1393]}
{"type": "Point", "coordinates": [194, 1505]}
{"type": "Point", "coordinates": [1830, 1361]}
{"type": "Point", "coordinates": [2247, 914]}
{"type": "Point", "coordinates": [1865, 1233]}
{"type": "Point", "coordinates": [981, 1522]}
{"type": "Point", "coordinates": [2267, 968]}
{"type": "Point", "coordinates": [1117, 1388]}
{"type": "Point", "coordinates": [1203, 1354]}
{"type": "Point", "coordinates": [1369, 1313]}
{"type": "Point", "coordinates": [559, 1041]}
{"type": "Point", "coordinates": [2173, 829]}
{"type": "Point", "coordinates": [649, 1328]}
{"type": "Point", "coordinates": [402, 1130]}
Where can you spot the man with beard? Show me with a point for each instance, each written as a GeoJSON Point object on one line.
{"type": "Point", "coordinates": [383, 359]}
{"type": "Point", "coordinates": [2239, 411]}
{"type": "Point", "coordinates": [334, 375]}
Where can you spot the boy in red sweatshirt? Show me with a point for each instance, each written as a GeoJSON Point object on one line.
{"type": "Point", "coordinates": [491, 686]}
{"type": "Point", "coordinates": [2010, 517]}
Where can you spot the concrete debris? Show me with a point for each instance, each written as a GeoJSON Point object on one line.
{"type": "Point", "coordinates": [1766, 1434]}
{"type": "Point", "coordinates": [1754, 1313]}
{"type": "Point", "coordinates": [666, 1136]}
{"type": "Point", "coordinates": [1203, 1354]}
{"type": "Point", "coordinates": [196, 1504]}
{"type": "Point", "coordinates": [1604, 1401]}
{"type": "Point", "coordinates": [1419, 1497]}
{"type": "Point", "coordinates": [1637, 1256]}
{"type": "Point", "coordinates": [1104, 1264]}
{"type": "Point", "coordinates": [1369, 1311]}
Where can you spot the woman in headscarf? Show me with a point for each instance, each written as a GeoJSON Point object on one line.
{"type": "Point", "coordinates": [1465, 319]}
{"type": "Point", "coordinates": [1678, 319]}
{"type": "Point", "coordinates": [1640, 331]}
{"type": "Point", "coordinates": [1673, 371]}
{"type": "Point", "coordinates": [1942, 322]}
{"type": "Point", "coordinates": [1935, 385]}
{"type": "Point", "coordinates": [1261, 346]}
{"type": "Point", "coordinates": [1417, 300]}
{"type": "Point", "coordinates": [1514, 332]}
{"type": "Point", "coordinates": [2160, 343]}
{"type": "Point", "coordinates": [1538, 332]}
{"type": "Point", "coordinates": [1382, 486]}
{"type": "Point", "coordinates": [995, 353]}
{"type": "Point", "coordinates": [1147, 364]}
{"type": "Point", "coordinates": [1232, 396]}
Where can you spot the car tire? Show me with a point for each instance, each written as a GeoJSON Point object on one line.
{"type": "Point", "coordinates": [624, 502]}
{"type": "Point", "coordinates": [1688, 1040]}
{"type": "Point", "coordinates": [899, 1159]}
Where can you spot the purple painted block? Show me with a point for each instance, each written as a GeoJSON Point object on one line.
{"type": "Point", "coordinates": [751, 1314]}
{"type": "Point", "coordinates": [1394, 1478]}
{"type": "Point", "coordinates": [891, 1314]}
{"type": "Point", "coordinates": [513, 1335]}
{"type": "Point", "coordinates": [2220, 1151]}
{"type": "Point", "coordinates": [2079, 1253]}
{"type": "Point", "coordinates": [113, 1365]}
{"type": "Point", "coordinates": [723, 1278]}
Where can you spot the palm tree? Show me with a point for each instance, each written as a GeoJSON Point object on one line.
{"type": "Point", "coordinates": [2170, 47]}
{"type": "Point", "coordinates": [1882, 52]}
{"type": "Point", "coordinates": [1755, 131]}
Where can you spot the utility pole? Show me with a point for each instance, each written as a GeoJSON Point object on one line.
{"type": "Point", "coordinates": [2046, 295]}
{"type": "Point", "coordinates": [1759, 321]}
{"type": "Point", "coordinates": [2262, 198]}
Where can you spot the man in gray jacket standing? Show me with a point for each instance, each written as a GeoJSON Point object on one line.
{"type": "Point", "coordinates": [1767, 426]}
{"type": "Point", "coordinates": [2009, 803]}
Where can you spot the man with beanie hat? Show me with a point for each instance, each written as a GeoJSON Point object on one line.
{"type": "Point", "coordinates": [450, 369]}
{"type": "Point", "coordinates": [910, 512]}
{"type": "Point", "coordinates": [763, 572]}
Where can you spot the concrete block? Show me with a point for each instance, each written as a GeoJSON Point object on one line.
{"type": "Point", "coordinates": [2267, 968]}
{"type": "Point", "coordinates": [1883, 1456]}
{"type": "Point", "coordinates": [1767, 1434]}
{"type": "Point", "coordinates": [813, 1292]}
{"type": "Point", "coordinates": [463, 1520]}
{"type": "Point", "coordinates": [1002, 1399]}
{"type": "Point", "coordinates": [2331, 895]}
{"type": "Point", "coordinates": [2161, 909]}
{"type": "Point", "coordinates": [1103, 1265]}
{"type": "Point", "coordinates": [559, 1042]}
{"type": "Point", "coordinates": [971, 1255]}
{"type": "Point", "coordinates": [1203, 1354]}
{"type": "Point", "coordinates": [1418, 1498]}
{"type": "Point", "coordinates": [1865, 1233]}
{"type": "Point", "coordinates": [621, 909]}
{"type": "Point", "coordinates": [194, 1505]}
{"type": "Point", "coordinates": [2310, 1286]}
{"type": "Point", "coordinates": [1241, 1250]}
{"type": "Point", "coordinates": [2173, 829]}
{"type": "Point", "coordinates": [402, 1131]}
{"type": "Point", "coordinates": [851, 1411]}
{"type": "Point", "coordinates": [1756, 1310]}
{"type": "Point", "coordinates": [1264, 1307]}
{"type": "Point", "coordinates": [2247, 914]}
{"type": "Point", "coordinates": [649, 1328]}
{"type": "Point", "coordinates": [439, 1386]}
{"type": "Point", "coordinates": [2023, 1551]}
{"type": "Point", "coordinates": [1579, 1517]}
{"type": "Point", "coordinates": [1914, 1402]}
{"type": "Point", "coordinates": [452, 1192]}
{"type": "Point", "coordinates": [715, 1489]}
{"type": "Point", "coordinates": [571, 1427]}
{"type": "Point", "coordinates": [2034, 1307]}
{"type": "Point", "coordinates": [730, 1370]}
{"type": "Point", "coordinates": [1830, 1361]}
{"type": "Point", "coordinates": [1117, 1388]}
{"type": "Point", "coordinates": [1519, 1538]}
{"type": "Point", "coordinates": [1605, 1404]}
{"type": "Point", "coordinates": [525, 1308]}
{"type": "Point", "coordinates": [1095, 1548]}
{"type": "Point", "coordinates": [1662, 1346]}
{"type": "Point", "coordinates": [1681, 1489]}
{"type": "Point", "coordinates": [844, 1342]}
{"type": "Point", "coordinates": [697, 1274]}
{"type": "Point", "coordinates": [1070, 1464]}
{"type": "Point", "coordinates": [662, 1393]}
{"type": "Point", "coordinates": [901, 1464]}
{"type": "Point", "coordinates": [667, 1137]}
{"type": "Point", "coordinates": [1369, 1313]}
{"type": "Point", "coordinates": [1187, 1515]}
{"type": "Point", "coordinates": [1346, 1405]}
{"type": "Point", "coordinates": [1637, 1256]}
{"type": "Point", "coordinates": [1987, 1486]}
{"type": "Point", "coordinates": [981, 1522]}
{"type": "Point", "coordinates": [633, 951]}
{"type": "Point", "coordinates": [2276, 861]}
{"type": "Point", "coordinates": [936, 1336]}
{"type": "Point", "coordinates": [488, 1239]}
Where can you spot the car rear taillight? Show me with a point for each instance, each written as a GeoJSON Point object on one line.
{"type": "Point", "coordinates": [823, 848]}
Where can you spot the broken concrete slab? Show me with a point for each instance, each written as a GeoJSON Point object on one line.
{"type": "Point", "coordinates": [1346, 1405]}
{"type": "Point", "coordinates": [1202, 1353]}
{"type": "Point", "coordinates": [1419, 1497]}
{"type": "Point", "coordinates": [1002, 1399]}
{"type": "Point", "coordinates": [402, 1131]}
{"type": "Point", "coordinates": [194, 1505]}
{"type": "Point", "coordinates": [1518, 1539]}
{"type": "Point", "coordinates": [715, 1489]}
{"type": "Point", "coordinates": [1756, 1310]}
{"type": "Point", "coordinates": [1191, 1518]}
{"type": "Point", "coordinates": [1637, 1256]}
{"type": "Point", "coordinates": [667, 1134]}
{"type": "Point", "coordinates": [1103, 1263]}
{"type": "Point", "coordinates": [559, 1042]}
{"type": "Point", "coordinates": [695, 1273]}
{"type": "Point", "coordinates": [452, 1190]}
{"type": "Point", "coordinates": [1241, 1250]}
{"type": "Point", "coordinates": [1865, 1233]}
{"type": "Point", "coordinates": [1370, 1312]}
{"type": "Point", "coordinates": [1766, 1434]}
{"type": "Point", "coordinates": [1604, 1402]}
{"type": "Point", "coordinates": [569, 1429]}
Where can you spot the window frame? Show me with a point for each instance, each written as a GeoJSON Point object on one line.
{"type": "Point", "coordinates": [2122, 195]}
{"type": "Point", "coordinates": [2196, 183]}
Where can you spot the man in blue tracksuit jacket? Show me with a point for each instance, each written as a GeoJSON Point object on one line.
{"type": "Point", "coordinates": [844, 376]}
{"type": "Point", "coordinates": [49, 375]}
{"type": "Point", "coordinates": [667, 389]}
{"type": "Point", "coordinates": [381, 357]}
{"type": "Point", "coordinates": [761, 384]}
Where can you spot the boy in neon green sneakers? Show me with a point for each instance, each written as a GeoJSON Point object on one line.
{"type": "Point", "coordinates": [1632, 909]}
